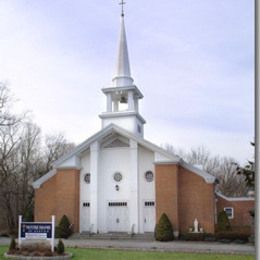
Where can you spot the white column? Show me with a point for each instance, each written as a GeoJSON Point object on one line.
{"type": "Point", "coordinates": [109, 102]}
{"type": "Point", "coordinates": [131, 104]}
{"type": "Point", "coordinates": [94, 156]}
{"type": "Point", "coordinates": [136, 105]}
{"type": "Point", "coordinates": [134, 190]}
{"type": "Point", "coordinates": [115, 106]}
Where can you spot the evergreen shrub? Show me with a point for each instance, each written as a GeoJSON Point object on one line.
{"type": "Point", "coordinates": [60, 247]}
{"type": "Point", "coordinates": [163, 229]}
{"type": "Point", "coordinates": [64, 228]}
{"type": "Point", "coordinates": [223, 222]}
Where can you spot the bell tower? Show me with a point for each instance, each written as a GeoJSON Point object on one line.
{"type": "Point", "coordinates": [123, 96]}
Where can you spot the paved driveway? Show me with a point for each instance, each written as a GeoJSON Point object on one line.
{"type": "Point", "coordinates": [174, 246]}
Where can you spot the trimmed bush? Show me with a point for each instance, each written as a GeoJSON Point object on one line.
{"type": "Point", "coordinates": [194, 236]}
{"type": "Point", "coordinates": [60, 247]}
{"type": "Point", "coordinates": [64, 228]}
{"type": "Point", "coordinates": [223, 221]}
{"type": "Point", "coordinates": [231, 236]}
{"type": "Point", "coordinates": [163, 230]}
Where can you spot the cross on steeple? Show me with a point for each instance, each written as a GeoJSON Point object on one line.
{"type": "Point", "coordinates": [122, 3]}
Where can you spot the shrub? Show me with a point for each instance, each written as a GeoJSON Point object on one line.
{"type": "Point", "coordinates": [12, 246]}
{"type": "Point", "coordinates": [163, 230]}
{"type": "Point", "coordinates": [223, 221]}
{"type": "Point", "coordinates": [194, 236]}
{"type": "Point", "coordinates": [64, 228]}
{"type": "Point", "coordinates": [60, 247]}
{"type": "Point", "coordinates": [230, 235]}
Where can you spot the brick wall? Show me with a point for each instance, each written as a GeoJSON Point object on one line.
{"type": "Point", "coordinates": [184, 196]}
{"type": "Point", "coordinates": [59, 196]}
{"type": "Point", "coordinates": [196, 200]}
{"type": "Point", "coordinates": [166, 192]}
{"type": "Point", "coordinates": [241, 209]}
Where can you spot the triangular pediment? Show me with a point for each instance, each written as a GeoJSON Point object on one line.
{"type": "Point", "coordinates": [116, 141]}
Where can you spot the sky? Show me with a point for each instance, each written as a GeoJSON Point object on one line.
{"type": "Point", "coordinates": [192, 60]}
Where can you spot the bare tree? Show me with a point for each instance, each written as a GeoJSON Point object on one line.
{"type": "Point", "coordinates": [230, 184]}
{"type": "Point", "coordinates": [224, 168]}
{"type": "Point", "coordinates": [55, 147]}
{"type": "Point", "coordinates": [6, 101]}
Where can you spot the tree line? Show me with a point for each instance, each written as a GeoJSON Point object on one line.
{"type": "Point", "coordinates": [232, 179]}
{"type": "Point", "coordinates": [25, 155]}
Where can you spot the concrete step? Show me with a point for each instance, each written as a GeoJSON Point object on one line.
{"type": "Point", "coordinates": [114, 236]}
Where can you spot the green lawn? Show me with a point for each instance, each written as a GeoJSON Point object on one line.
{"type": "Point", "coordinates": [107, 254]}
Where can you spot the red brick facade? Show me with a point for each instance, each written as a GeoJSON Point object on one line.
{"type": "Point", "coordinates": [241, 210]}
{"type": "Point", "coordinates": [59, 196]}
{"type": "Point", "coordinates": [184, 196]}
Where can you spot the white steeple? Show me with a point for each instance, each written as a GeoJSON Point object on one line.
{"type": "Point", "coordinates": [123, 73]}
{"type": "Point", "coordinates": [123, 96]}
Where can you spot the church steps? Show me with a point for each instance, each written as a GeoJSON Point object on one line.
{"type": "Point", "coordinates": [114, 236]}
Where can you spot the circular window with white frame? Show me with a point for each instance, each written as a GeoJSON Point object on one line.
{"type": "Point", "coordinates": [148, 176]}
{"type": "Point", "coordinates": [118, 176]}
{"type": "Point", "coordinates": [87, 177]}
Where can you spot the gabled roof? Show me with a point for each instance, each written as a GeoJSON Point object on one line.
{"type": "Point", "coordinates": [111, 129]}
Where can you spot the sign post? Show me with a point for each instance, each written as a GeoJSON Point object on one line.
{"type": "Point", "coordinates": [52, 233]}
{"type": "Point", "coordinates": [19, 230]}
{"type": "Point", "coordinates": [37, 231]}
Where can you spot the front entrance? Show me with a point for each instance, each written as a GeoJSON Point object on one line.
{"type": "Point", "coordinates": [149, 216]}
{"type": "Point", "coordinates": [118, 217]}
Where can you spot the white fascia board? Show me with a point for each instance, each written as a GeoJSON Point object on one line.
{"type": "Point", "coordinates": [71, 162]}
{"type": "Point", "coordinates": [146, 143]}
{"type": "Point", "coordinates": [117, 89]}
{"type": "Point", "coordinates": [206, 176]}
{"type": "Point", "coordinates": [167, 162]}
{"type": "Point", "coordinates": [122, 114]}
{"type": "Point", "coordinates": [37, 184]}
{"type": "Point", "coordinates": [84, 145]}
{"type": "Point", "coordinates": [234, 198]}
{"type": "Point", "coordinates": [110, 129]}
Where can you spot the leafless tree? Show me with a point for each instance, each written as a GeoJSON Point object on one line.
{"type": "Point", "coordinates": [23, 159]}
{"type": "Point", "coordinates": [55, 147]}
{"type": "Point", "coordinates": [224, 168]}
{"type": "Point", "coordinates": [6, 101]}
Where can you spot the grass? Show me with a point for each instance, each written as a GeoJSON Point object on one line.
{"type": "Point", "coordinates": [109, 254]}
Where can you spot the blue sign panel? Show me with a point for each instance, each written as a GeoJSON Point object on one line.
{"type": "Point", "coordinates": [36, 230]}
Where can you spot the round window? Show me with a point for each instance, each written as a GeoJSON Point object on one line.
{"type": "Point", "coordinates": [87, 178]}
{"type": "Point", "coordinates": [149, 176]}
{"type": "Point", "coordinates": [118, 176]}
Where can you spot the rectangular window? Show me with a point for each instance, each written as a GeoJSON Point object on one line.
{"type": "Point", "coordinates": [117, 204]}
{"type": "Point", "coordinates": [230, 212]}
{"type": "Point", "coordinates": [149, 203]}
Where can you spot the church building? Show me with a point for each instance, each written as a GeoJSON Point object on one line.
{"type": "Point", "coordinates": [117, 181]}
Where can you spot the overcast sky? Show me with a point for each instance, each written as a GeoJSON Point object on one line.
{"type": "Point", "coordinates": [192, 60]}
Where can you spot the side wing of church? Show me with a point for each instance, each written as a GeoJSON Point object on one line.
{"type": "Point", "coordinates": [116, 181]}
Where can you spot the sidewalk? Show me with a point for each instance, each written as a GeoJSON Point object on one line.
{"type": "Point", "coordinates": [174, 246]}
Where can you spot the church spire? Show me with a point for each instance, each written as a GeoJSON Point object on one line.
{"type": "Point", "coordinates": [123, 73]}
